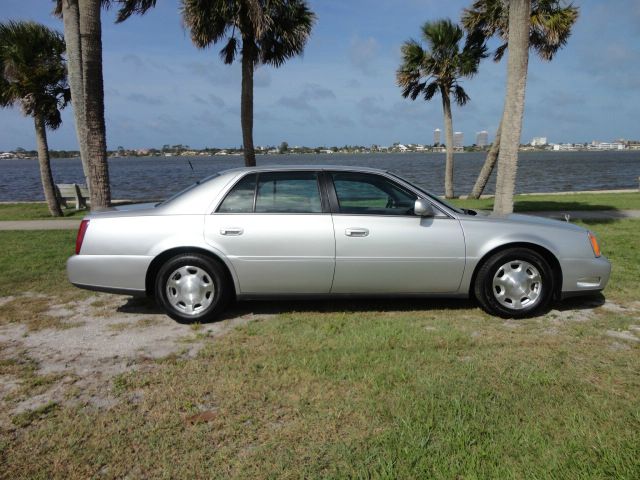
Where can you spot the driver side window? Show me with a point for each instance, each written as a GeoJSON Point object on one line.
{"type": "Point", "coordinates": [368, 194]}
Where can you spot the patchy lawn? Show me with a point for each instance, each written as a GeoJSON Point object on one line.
{"type": "Point", "coordinates": [382, 389]}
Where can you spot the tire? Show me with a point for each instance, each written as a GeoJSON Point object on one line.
{"type": "Point", "coordinates": [192, 288]}
{"type": "Point", "coordinates": [515, 283]}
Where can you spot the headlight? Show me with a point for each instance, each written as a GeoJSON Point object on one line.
{"type": "Point", "coordinates": [594, 244]}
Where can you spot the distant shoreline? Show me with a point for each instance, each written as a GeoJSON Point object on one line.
{"type": "Point", "coordinates": [408, 152]}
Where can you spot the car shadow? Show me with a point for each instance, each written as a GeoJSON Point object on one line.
{"type": "Point", "coordinates": [147, 306]}
{"type": "Point", "coordinates": [524, 206]}
{"type": "Point", "coordinates": [581, 303]}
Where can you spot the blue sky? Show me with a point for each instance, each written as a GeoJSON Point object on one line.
{"type": "Point", "coordinates": [160, 89]}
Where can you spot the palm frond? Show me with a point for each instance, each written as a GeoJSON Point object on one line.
{"type": "Point", "coordinates": [460, 95]}
{"type": "Point", "coordinates": [289, 31]}
{"type": "Point", "coordinates": [228, 52]}
{"type": "Point", "coordinates": [132, 7]}
{"type": "Point", "coordinates": [32, 69]}
{"type": "Point", "coordinates": [551, 24]}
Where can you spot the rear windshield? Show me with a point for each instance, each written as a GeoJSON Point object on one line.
{"type": "Point", "coordinates": [185, 190]}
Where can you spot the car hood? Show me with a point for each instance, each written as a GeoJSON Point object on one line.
{"type": "Point", "coordinates": [523, 219]}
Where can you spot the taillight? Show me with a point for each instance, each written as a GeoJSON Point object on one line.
{"type": "Point", "coordinates": [80, 238]}
{"type": "Point", "coordinates": [594, 244]}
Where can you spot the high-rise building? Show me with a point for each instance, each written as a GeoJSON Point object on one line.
{"type": "Point", "coordinates": [458, 139]}
{"type": "Point", "coordinates": [482, 138]}
{"type": "Point", "coordinates": [436, 136]}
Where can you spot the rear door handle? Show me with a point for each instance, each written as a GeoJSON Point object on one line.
{"type": "Point", "coordinates": [356, 232]}
{"type": "Point", "coordinates": [231, 231]}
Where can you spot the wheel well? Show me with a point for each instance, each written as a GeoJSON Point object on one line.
{"type": "Point", "coordinates": [159, 260]}
{"type": "Point", "coordinates": [548, 256]}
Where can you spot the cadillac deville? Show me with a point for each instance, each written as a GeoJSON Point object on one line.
{"type": "Point", "coordinates": [313, 231]}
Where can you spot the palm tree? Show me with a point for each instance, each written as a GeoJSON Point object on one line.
{"type": "Point", "coordinates": [517, 64]}
{"type": "Point", "coordinates": [550, 28]}
{"type": "Point", "coordinates": [261, 31]}
{"type": "Point", "coordinates": [33, 75]}
{"type": "Point", "coordinates": [438, 69]}
{"type": "Point", "coordinates": [83, 37]}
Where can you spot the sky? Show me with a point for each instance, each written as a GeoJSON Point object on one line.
{"type": "Point", "coordinates": [160, 89]}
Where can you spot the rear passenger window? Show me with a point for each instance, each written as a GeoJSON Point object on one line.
{"type": "Point", "coordinates": [276, 192]}
{"type": "Point", "coordinates": [288, 192]}
{"type": "Point", "coordinates": [240, 198]}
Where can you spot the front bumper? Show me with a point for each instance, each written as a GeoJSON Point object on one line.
{"type": "Point", "coordinates": [584, 275]}
{"type": "Point", "coordinates": [124, 274]}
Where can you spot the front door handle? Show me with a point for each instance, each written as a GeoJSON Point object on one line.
{"type": "Point", "coordinates": [231, 231]}
{"type": "Point", "coordinates": [356, 232]}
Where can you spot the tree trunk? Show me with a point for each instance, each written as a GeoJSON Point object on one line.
{"type": "Point", "coordinates": [518, 45]}
{"type": "Point", "coordinates": [246, 101]}
{"type": "Point", "coordinates": [487, 168]}
{"type": "Point", "coordinates": [91, 46]}
{"type": "Point", "coordinates": [71, 20]}
{"type": "Point", "coordinates": [448, 135]}
{"type": "Point", "coordinates": [45, 168]}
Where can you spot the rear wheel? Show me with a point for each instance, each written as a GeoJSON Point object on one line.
{"type": "Point", "coordinates": [192, 288]}
{"type": "Point", "coordinates": [515, 283]}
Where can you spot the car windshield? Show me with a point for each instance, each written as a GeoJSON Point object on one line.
{"type": "Point", "coordinates": [185, 190]}
{"type": "Point", "coordinates": [432, 196]}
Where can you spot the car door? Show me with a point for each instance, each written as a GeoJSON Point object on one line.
{"type": "Point", "coordinates": [383, 247]}
{"type": "Point", "coordinates": [276, 230]}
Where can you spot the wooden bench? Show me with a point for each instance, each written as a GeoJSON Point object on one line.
{"type": "Point", "coordinates": [72, 191]}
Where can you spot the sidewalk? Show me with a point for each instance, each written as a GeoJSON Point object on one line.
{"type": "Point", "coordinates": [558, 215]}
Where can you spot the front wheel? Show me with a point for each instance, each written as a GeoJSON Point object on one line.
{"type": "Point", "coordinates": [515, 283]}
{"type": "Point", "coordinates": [192, 288]}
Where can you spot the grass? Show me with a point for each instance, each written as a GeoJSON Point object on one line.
{"type": "Point", "coordinates": [34, 211]}
{"type": "Point", "coordinates": [35, 261]}
{"type": "Point", "coordinates": [411, 389]}
{"type": "Point", "coordinates": [578, 201]}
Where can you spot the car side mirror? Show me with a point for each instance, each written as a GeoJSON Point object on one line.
{"type": "Point", "coordinates": [423, 208]}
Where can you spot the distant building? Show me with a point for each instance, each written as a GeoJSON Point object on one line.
{"type": "Point", "coordinates": [607, 145]}
{"type": "Point", "coordinates": [458, 139]}
{"type": "Point", "coordinates": [482, 138]}
{"type": "Point", "coordinates": [560, 147]}
{"type": "Point", "coordinates": [539, 141]}
{"type": "Point", "coordinates": [436, 136]}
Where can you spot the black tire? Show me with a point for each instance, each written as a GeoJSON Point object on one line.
{"type": "Point", "coordinates": [484, 289]}
{"type": "Point", "coordinates": [216, 273]}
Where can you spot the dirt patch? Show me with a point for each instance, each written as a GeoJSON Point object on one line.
{"type": "Point", "coordinates": [622, 335]}
{"type": "Point", "coordinates": [92, 340]}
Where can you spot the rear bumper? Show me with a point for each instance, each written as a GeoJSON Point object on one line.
{"type": "Point", "coordinates": [123, 274]}
{"type": "Point", "coordinates": [584, 276]}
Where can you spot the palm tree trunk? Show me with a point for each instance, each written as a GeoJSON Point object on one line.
{"type": "Point", "coordinates": [71, 20]}
{"type": "Point", "coordinates": [487, 168]}
{"type": "Point", "coordinates": [91, 46]}
{"type": "Point", "coordinates": [518, 45]}
{"type": "Point", "coordinates": [45, 167]}
{"type": "Point", "coordinates": [246, 101]}
{"type": "Point", "coordinates": [448, 135]}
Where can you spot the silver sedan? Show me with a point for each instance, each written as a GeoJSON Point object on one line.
{"type": "Point", "coordinates": [313, 231]}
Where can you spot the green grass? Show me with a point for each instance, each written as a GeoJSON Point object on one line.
{"type": "Point", "coordinates": [404, 389]}
{"type": "Point", "coordinates": [35, 261]}
{"type": "Point", "coordinates": [578, 201]}
{"type": "Point", "coordinates": [34, 211]}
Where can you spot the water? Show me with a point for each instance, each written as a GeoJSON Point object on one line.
{"type": "Point", "coordinates": [158, 177]}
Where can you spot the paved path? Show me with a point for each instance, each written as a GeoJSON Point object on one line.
{"type": "Point", "coordinates": [40, 224]}
{"type": "Point", "coordinates": [560, 215]}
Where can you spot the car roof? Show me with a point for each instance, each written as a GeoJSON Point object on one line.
{"type": "Point", "coordinates": [284, 168]}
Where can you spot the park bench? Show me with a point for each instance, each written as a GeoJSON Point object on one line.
{"type": "Point", "coordinates": [72, 191]}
